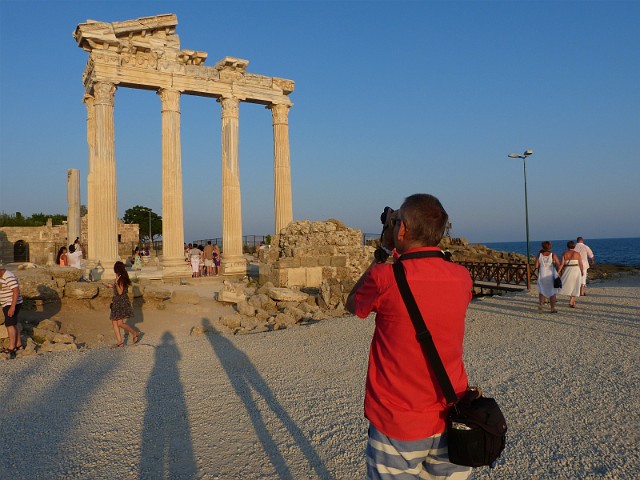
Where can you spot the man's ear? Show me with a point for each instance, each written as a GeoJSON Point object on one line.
{"type": "Point", "coordinates": [402, 232]}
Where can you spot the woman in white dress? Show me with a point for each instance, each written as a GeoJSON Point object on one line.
{"type": "Point", "coordinates": [546, 263]}
{"type": "Point", "coordinates": [572, 270]}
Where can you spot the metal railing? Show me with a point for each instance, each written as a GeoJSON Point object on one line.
{"type": "Point", "coordinates": [519, 274]}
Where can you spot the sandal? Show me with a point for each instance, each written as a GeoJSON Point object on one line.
{"type": "Point", "coordinates": [136, 338]}
{"type": "Point", "coordinates": [118, 345]}
{"type": "Point", "coordinates": [19, 347]}
{"type": "Point", "coordinates": [8, 350]}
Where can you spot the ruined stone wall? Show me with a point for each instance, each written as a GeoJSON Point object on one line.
{"type": "Point", "coordinates": [44, 242]}
{"type": "Point", "coordinates": [308, 253]}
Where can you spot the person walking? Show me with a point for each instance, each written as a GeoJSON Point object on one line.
{"type": "Point", "coordinates": [548, 267]}
{"type": "Point", "coordinates": [403, 401]}
{"type": "Point", "coordinates": [573, 271]}
{"type": "Point", "coordinates": [11, 301]}
{"type": "Point", "coordinates": [588, 259]}
{"type": "Point", "coordinates": [121, 307]}
{"type": "Point", "coordinates": [207, 255]}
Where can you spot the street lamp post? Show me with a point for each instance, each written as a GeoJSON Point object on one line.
{"type": "Point", "coordinates": [526, 206]}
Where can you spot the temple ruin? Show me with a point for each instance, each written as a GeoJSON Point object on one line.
{"type": "Point", "coordinates": [145, 53]}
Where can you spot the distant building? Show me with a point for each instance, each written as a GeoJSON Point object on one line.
{"type": "Point", "coordinates": [40, 244]}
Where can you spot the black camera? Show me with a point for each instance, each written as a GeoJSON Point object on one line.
{"type": "Point", "coordinates": [381, 253]}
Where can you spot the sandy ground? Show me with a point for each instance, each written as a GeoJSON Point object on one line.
{"type": "Point", "coordinates": [288, 404]}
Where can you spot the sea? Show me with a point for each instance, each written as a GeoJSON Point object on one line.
{"type": "Point", "coordinates": [619, 251]}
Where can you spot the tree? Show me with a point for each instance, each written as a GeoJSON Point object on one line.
{"type": "Point", "coordinates": [140, 215]}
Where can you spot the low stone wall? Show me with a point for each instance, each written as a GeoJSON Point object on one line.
{"type": "Point", "coordinates": [309, 253]}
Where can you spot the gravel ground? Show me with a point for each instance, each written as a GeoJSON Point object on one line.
{"type": "Point", "coordinates": [288, 404]}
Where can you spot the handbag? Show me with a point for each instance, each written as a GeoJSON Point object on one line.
{"type": "Point", "coordinates": [476, 427]}
{"type": "Point", "coordinates": [557, 281]}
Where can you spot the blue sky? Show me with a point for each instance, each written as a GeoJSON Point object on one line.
{"type": "Point", "coordinates": [391, 98]}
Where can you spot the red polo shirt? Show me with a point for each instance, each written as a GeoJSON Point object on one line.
{"type": "Point", "coordinates": [403, 399]}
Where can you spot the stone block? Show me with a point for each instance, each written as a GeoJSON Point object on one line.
{"type": "Point", "coordinates": [3, 331]}
{"type": "Point", "coordinates": [287, 295]}
{"type": "Point", "coordinates": [69, 274]}
{"type": "Point", "coordinates": [339, 261]}
{"type": "Point", "coordinates": [38, 286]}
{"type": "Point", "coordinates": [185, 295]}
{"type": "Point", "coordinates": [231, 321]}
{"type": "Point", "coordinates": [80, 290]}
{"type": "Point", "coordinates": [157, 292]}
{"type": "Point", "coordinates": [324, 260]}
{"type": "Point", "coordinates": [229, 296]}
{"type": "Point", "coordinates": [50, 325]}
{"type": "Point", "coordinates": [313, 277]}
{"type": "Point", "coordinates": [244, 308]}
{"type": "Point", "coordinates": [63, 338]}
{"type": "Point", "coordinates": [296, 277]}
{"type": "Point", "coordinates": [308, 261]}
{"type": "Point", "coordinates": [42, 335]}
{"type": "Point", "coordinates": [105, 292]}
{"type": "Point", "coordinates": [287, 263]}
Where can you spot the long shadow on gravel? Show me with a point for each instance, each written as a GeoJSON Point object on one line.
{"type": "Point", "coordinates": [56, 411]}
{"type": "Point", "coordinates": [245, 377]}
{"type": "Point", "coordinates": [167, 450]}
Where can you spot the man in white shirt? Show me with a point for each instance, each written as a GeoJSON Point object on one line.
{"type": "Point", "coordinates": [587, 259]}
{"type": "Point", "coordinates": [11, 301]}
{"type": "Point", "coordinates": [75, 255]}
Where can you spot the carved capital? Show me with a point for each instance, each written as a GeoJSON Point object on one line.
{"type": "Point", "coordinates": [170, 99]}
{"type": "Point", "coordinates": [88, 102]}
{"type": "Point", "coordinates": [280, 113]}
{"type": "Point", "coordinates": [229, 107]}
{"type": "Point", "coordinates": [103, 93]}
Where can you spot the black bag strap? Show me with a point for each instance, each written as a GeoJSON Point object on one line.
{"type": "Point", "coordinates": [422, 332]}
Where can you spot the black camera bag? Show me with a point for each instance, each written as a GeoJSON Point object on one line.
{"type": "Point", "coordinates": [476, 427]}
{"type": "Point", "coordinates": [476, 430]}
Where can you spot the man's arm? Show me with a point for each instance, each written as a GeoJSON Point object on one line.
{"type": "Point", "coordinates": [14, 301]}
{"type": "Point", "coordinates": [351, 299]}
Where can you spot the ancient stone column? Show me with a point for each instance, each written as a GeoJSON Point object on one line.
{"type": "Point", "coordinates": [232, 260]}
{"type": "Point", "coordinates": [282, 201]}
{"type": "Point", "coordinates": [91, 142]}
{"type": "Point", "coordinates": [172, 261]}
{"type": "Point", "coordinates": [73, 204]}
{"type": "Point", "coordinates": [105, 218]}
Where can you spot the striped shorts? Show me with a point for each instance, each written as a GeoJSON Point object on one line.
{"type": "Point", "coordinates": [389, 459]}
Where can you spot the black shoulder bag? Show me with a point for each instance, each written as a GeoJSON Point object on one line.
{"type": "Point", "coordinates": [476, 427]}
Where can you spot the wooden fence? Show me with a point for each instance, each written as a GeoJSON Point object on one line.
{"type": "Point", "coordinates": [500, 275]}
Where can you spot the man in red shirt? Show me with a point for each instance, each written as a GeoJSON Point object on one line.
{"type": "Point", "coordinates": [403, 401]}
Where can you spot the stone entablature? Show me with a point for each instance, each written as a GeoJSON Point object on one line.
{"type": "Point", "coordinates": [146, 53]}
{"type": "Point", "coordinates": [306, 254]}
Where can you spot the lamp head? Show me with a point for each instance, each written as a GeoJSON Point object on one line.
{"type": "Point", "coordinates": [513, 155]}
{"type": "Point", "coordinates": [528, 152]}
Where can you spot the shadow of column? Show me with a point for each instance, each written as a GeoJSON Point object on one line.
{"type": "Point", "coordinates": [167, 450]}
{"type": "Point", "coordinates": [244, 378]}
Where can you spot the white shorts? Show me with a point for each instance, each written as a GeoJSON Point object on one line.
{"type": "Point", "coordinates": [195, 264]}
